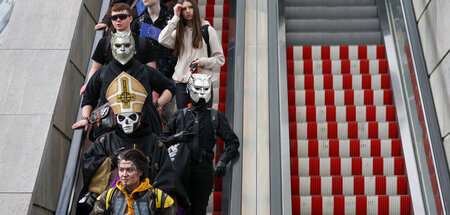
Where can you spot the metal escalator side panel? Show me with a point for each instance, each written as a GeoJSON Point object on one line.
{"type": "Point", "coordinates": [68, 188]}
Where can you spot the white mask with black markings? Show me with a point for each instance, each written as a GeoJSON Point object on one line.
{"type": "Point", "coordinates": [128, 122]}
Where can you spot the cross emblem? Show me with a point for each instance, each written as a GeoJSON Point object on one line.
{"type": "Point", "coordinates": [125, 97]}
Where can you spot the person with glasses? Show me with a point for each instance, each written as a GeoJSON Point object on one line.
{"type": "Point", "coordinates": [121, 17]}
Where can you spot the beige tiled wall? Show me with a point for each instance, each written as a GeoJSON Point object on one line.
{"type": "Point", "coordinates": [43, 59]}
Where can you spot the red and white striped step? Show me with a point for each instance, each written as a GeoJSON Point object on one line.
{"type": "Point", "coordinates": [347, 166]}
{"type": "Point", "coordinates": [335, 52]}
{"type": "Point", "coordinates": [339, 97]}
{"type": "Point", "coordinates": [318, 205]}
{"type": "Point", "coordinates": [339, 82]}
{"type": "Point", "coordinates": [336, 67]}
{"type": "Point", "coordinates": [343, 131]}
{"type": "Point", "coordinates": [342, 113]}
{"type": "Point", "coordinates": [345, 148]}
{"type": "Point", "coordinates": [350, 185]}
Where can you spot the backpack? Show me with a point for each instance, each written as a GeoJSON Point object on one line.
{"type": "Point", "coordinates": [156, 194]}
{"type": "Point", "coordinates": [205, 35]}
{"type": "Point", "coordinates": [215, 123]}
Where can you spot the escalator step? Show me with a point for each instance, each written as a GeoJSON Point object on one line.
{"type": "Point", "coordinates": [324, 12]}
{"type": "Point", "coordinates": [218, 11]}
{"type": "Point", "coordinates": [334, 38]}
{"type": "Point", "coordinates": [328, 2]}
{"type": "Point", "coordinates": [339, 82]}
{"type": "Point", "coordinates": [360, 52]}
{"type": "Point", "coordinates": [345, 148]}
{"type": "Point", "coordinates": [343, 131]}
{"type": "Point", "coordinates": [347, 166]}
{"type": "Point", "coordinates": [350, 185]}
{"type": "Point", "coordinates": [332, 25]}
{"type": "Point", "coordinates": [318, 205]}
{"type": "Point", "coordinates": [218, 23]}
{"type": "Point", "coordinates": [335, 67]}
{"type": "Point", "coordinates": [342, 113]}
{"type": "Point", "coordinates": [339, 97]}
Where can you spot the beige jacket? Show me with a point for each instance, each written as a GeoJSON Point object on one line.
{"type": "Point", "coordinates": [206, 64]}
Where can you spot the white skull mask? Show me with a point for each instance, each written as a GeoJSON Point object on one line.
{"type": "Point", "coordinates": [128, 121]}
{"type": "Point", "coordinates": [122, 46]}
{"type": "Point", "coordinates": [199, 87]}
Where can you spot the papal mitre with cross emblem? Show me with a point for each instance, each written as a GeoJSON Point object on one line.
{"type": "Point", "coordinates": [126, 94]}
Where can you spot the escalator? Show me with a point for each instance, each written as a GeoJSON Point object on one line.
{"type": "Point", "coordinates": [348, 152]}
{"type": "Point", "coordinates": [218, 15]}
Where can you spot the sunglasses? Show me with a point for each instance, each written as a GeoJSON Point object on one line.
{"type": "Point", "coordinates": [119, 16]}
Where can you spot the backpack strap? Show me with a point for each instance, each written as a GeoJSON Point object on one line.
{"type": "Point", "coordinates": [180, 120]}
{"type": "Point", "coordinates": [109, 196]}
{"type": "Point", "coordinates": [215, 124]}
{"type": "Point", "coordinates": [205, 35]}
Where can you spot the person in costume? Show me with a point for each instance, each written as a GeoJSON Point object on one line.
{"type": "Point", "coordinates": [100, 158]}
{"type": "Point", "coordinates": [123, 48]}
{"type": "Point", "coordinates": [121, 20]}
{"type": "Point", "coordinates": [199, 127]}
{"type": "Point", "coordinates": [133, 193]}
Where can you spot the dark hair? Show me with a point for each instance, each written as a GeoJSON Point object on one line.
{"type": "Point", "coordinates": [122, 6]}
{"type": "Point", "coordinates": [139, 160]}
{"type": "Point", "coordinates": [197, 38]}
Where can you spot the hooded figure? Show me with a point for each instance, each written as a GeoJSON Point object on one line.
{"type": "Point", "coordinates": [194, 126]}
{"type": "Point", "coordinates": [127, 96]}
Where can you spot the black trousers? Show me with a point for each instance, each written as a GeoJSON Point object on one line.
{"type": "Point", "coordinates": [183, 98]}
{"type": "Point", "coordinates": [201, 182]}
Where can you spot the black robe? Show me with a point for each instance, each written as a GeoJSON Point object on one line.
{"type": "Point", "coordinates": [161, 172]}
{"type": "Point", "coordinates": [150, 78]}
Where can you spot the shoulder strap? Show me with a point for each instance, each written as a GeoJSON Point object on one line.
{"type": "Point", "coordinates": [215, 124]}
{"type": "Point", "coordinates": [109, 196]}
{"type": "Point", "coordinates": [180, 120]}
{"type": "Point", "coordinates": [105, 48]}
{"type": "Point", "coordinates": [205, 35]}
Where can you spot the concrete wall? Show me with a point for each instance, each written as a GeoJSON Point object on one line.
{"type": "Point", "coordinates": [43, 59]}
{"type": "Point", "coordinates": [432, 19]}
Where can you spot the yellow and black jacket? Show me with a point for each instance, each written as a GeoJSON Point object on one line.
{"type": "Point", "coordinates": [143, 200]}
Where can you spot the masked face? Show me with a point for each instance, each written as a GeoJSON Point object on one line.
{"type": "Point", "coordinates": [128, 122]}
{"type": "Point", "coordinates": [122, 46]}
{"type": "Point", "coordinates": [199, 87]}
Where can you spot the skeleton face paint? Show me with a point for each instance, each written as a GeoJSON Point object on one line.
{"type": "Point", "coordinates": [128, 122]}
{"type": "Point", "coordinates": [122, 46]}
{"type": "Point", "coordinates": [199, 87]}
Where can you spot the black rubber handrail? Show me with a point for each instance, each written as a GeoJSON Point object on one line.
{"type": "Point", "coordinates": [232, 182]}
{"type": "Point", "coordinates": [72, 170]}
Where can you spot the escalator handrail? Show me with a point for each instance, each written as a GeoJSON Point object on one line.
{"type": "Point", "coordinates": [429, 110]}
{"type": "Point", "coordinates": [232, 182]}
{"type": "Point", "coordinates": [280, 176]}
{"type": "Point", "coordinates": [73, 161]}
{"type": "Point", "coordinates": [423, 201]}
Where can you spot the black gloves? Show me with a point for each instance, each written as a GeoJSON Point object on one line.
{"type": "Point", "coordinates": [115, 157]}
{"type": "Point", "coordinates": [181, 136]}
{"type": "Point", "coordinates": [221, 168]}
